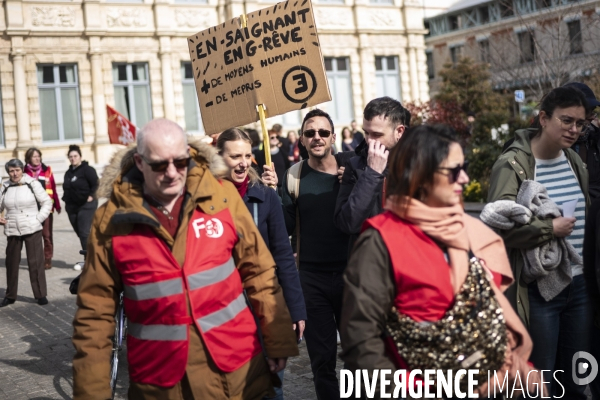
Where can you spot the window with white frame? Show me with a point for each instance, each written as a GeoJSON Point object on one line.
{"type": "Point", "coordinates": [60, 113]}
{"type": "Point", "coordinates": [386, 2]}
{"type": "Point", "coordinates": [191, 107]}
{"type": "Point", "coordinates": [132, 92]}
{"type": "Point", "coordinates": [338, 76]}
{"type": "Point", "coordinates": [387, 77]}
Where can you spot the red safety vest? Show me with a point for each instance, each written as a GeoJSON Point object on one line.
{"type": "Point", "coordinates": [421, 274]}
{"type": "Point", "coordinates": [156, 292]}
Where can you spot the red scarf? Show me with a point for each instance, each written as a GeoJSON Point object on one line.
{"type": "Point", "coordinates": [242, 187]}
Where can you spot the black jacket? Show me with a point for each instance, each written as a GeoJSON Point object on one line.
{"type": "Point", "coordinates": [591, 254]}
{"type": "Point", "coordinates": [281, 161]}
{"type": "Point", "coordinates": [361, 194]}
{"type": "Point", "coordinates": [588, 148]}
{"type": "Point", "coordinates": [80, 183]}
{"type": "Point", "coordinates": [265, 207]}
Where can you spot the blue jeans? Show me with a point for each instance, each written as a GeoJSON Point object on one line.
{"type": "Point", "coordinates": [278, 390]}
{"type": "Point", "coordinates": [559, 328]}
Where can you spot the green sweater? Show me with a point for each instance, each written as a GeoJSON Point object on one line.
{"type": "Point", "coordinates": [323, 247]}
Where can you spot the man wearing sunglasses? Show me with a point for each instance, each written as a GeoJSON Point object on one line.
{"type": "Point", "coordinates": [361, 193]}
{"type": "Point", "coordinates": [322, 254]}
{"type": "Point", "coordinates": [183, 248]}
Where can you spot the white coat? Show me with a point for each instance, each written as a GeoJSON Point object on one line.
{"type": "Point", "coordinates": [20, 200]}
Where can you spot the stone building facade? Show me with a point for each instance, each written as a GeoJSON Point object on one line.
{"type": "Point", "coordinates": [62, 62]}
{"type": "Point", "coordinates": [532, 45]}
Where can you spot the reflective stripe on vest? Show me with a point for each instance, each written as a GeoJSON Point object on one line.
{"type": "Point", "coordinates": [154, 290]}
{"type": "Point", "coordinates": [157, 332]}
{"type": "Point", "coordinates": [223, 315]}
{"type": "Point", "coordinates": [211, 276]}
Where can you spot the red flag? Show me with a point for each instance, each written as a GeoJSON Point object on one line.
{"type": "Point", "coordinates": [120, 129]}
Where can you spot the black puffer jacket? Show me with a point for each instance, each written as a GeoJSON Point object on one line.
{"type": "Point", "coordinates": [360, 196]}
{"type": "Point", "coordinates": [80, 183]}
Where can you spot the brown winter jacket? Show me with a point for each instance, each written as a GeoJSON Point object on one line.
{"type": "Point", "coordinates": [100, 282]}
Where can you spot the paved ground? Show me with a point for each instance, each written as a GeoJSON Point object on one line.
{"type": "Point", "coordinates": [35, 341]}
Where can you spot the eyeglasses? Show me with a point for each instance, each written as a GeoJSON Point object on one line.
{"type": "Point", "coordinates": [455, 172]}
{"type": "Point", "coordinates": [161, 166]}
{"type": "Point", "coordinates": [309, 133]}
{"type": "Point", "coordinates": [567, 123]}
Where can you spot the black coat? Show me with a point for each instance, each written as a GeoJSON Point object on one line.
{"type": "Point", "coordinates": [588, 148]}
{"type": "Point", "coordinates": [591, 253]}
{"type": "Point", "coordinates": [360, 196]}
{"type": "Point", "coordinates": [80, 183]}
{"type": "Point", "coordinates": [265, 207]}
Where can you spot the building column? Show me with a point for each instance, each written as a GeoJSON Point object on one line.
{"type": "Point", "coordinates": [167, 78]}
{"type": "Point", "coordinates": [102, 147]}
{"type": "Point", "coordinates": [367, 61]}
{"type": "Point", "coordinates": [98, 99]}
{"type": "Point", "coordinates": [414, 73]}
{"type": "Point", "coordinates": [167, 86]}
{"type": "Point", "coordinates": [21, 102]}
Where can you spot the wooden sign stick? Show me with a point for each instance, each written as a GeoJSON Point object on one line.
{"type": "Point", "coordinates": [262, 115]}
{"type": "Point", "coordinates": [266, 141]}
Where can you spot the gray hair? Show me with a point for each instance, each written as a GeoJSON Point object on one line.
{"type": "Point", "coordinates": [14, 163]}
{"type": "Point", "coordinates": [161, 125]}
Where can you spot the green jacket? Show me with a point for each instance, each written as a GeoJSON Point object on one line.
{"type": "Point", "coordinates": [515, 165]}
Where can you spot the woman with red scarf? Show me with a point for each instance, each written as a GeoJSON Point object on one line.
{"type": "Point", "coordinates": [265, 207]}
{"type": "Point", "coordinates": [43, 173]}
{"type": "Point", "coordinates": [424, 282]}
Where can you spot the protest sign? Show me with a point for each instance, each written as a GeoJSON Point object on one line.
{"type": "Point", "coordinates": [274, 60]}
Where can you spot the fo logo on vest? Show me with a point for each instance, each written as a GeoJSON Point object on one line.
{"type": "Point", "coordinates": [213, 228]}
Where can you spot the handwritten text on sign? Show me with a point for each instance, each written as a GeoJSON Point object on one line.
{"type": "Point", "coordinates": [275, 60]}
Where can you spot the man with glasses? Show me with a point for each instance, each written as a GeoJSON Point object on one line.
{"type": "Point", "coordinates": [196, 277]}
{"type": "Point", "coordinates": [309, 195]}
{"type": "Point", "coordinates": [361, 194]}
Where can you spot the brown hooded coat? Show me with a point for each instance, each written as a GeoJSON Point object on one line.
{"type": "Point", "coordinates": [101, 284]}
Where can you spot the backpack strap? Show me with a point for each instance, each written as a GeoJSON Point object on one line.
{"type": "Point", "coordinates": [293, 180]}
{"type": "Point", "coordinates": [293, 187]}
{"type": "Point", "coordinates": [39, 206]}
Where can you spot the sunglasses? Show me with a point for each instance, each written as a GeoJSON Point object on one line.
{"type": "Point", "coordinates": [161, 166]}
{"type": "Point", "coordinates": [455, 172]}
{"type": "Point", "coordinates": [309, 133]}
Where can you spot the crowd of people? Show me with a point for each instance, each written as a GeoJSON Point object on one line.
{"type": "Point", "coordinates": [28, 200]}
{"type": "Point", "coordinates": [227, 264]}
